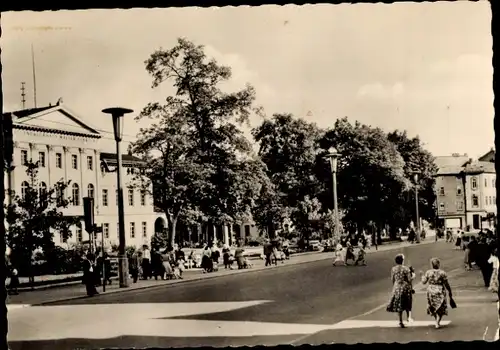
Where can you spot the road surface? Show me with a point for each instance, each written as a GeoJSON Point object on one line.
{"type": "Point", "coordinates": [310, 303]}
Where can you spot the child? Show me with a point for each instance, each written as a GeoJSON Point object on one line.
{"type": "Point", "coordinates": [361, 255]}
{"type": "Point", "coordinates": [339, 255]}
{"type": "Point", "coordinates": [181, 267]}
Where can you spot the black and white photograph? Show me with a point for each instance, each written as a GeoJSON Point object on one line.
{"type": "Point", "coordinates": [249, 175]}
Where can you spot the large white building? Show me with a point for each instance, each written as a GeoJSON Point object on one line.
{"type": "Point", "coordinates": [68, 149]}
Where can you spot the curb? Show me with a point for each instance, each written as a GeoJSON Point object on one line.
{"type": "Point", "coordinates": [168, 284]}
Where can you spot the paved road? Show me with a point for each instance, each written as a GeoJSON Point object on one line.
{"type": "Point", "coordinates": [308, 303]}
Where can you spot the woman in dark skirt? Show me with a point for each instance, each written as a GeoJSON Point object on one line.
{"type": "Point", "coordinates": [401, 298]}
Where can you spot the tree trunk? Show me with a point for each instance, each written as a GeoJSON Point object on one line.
{"type": "Point", "coordinates": [173, 226]}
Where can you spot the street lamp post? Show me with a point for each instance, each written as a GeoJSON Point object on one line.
{"type": "Point", "coordinates": [333, 155]}
{"type": "Point", "coordinates": [417, 216]}
{"type": "Point", "coordinates": [117, 114]}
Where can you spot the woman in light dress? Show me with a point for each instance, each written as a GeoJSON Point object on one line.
{"type": "Point", "coordinates": [437, 286]}
{"type": "Point", "coordinates": [401, 298]}
{"type": "Point", "coordinates": [494, 276]}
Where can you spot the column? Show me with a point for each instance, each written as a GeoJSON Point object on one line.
{"type": "Point", "coordinates": [226, 234]}
{"type": "Point", "coordinates": [49, 152]}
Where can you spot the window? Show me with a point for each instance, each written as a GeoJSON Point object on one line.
{"type": "Point", "coordinates": [75, 195]}
{"type": "Point", "coordinates": [493, 184]}
{"type": "Point", "coordinates": [491, 200]}
{"type": "Point", "coordinates": [474, 183]}
{"type": "Point", "coordinates": [24, 189]}
{"type": "Point", "coordinates": [24, 157]}
{"type": "Point", "coordinates": [441, 206]}
{"type": "Point", "coordinates": [42, 192]}
{"type": "Point", "coordinates": [143, 198]}
{"type": "Point", "coordinates": [59, 160]}
{"type": "Point", "coordinates": [132, 230]}
{"type": "Point", "coordinates": [459, 191]}
{"type": "Point", "coordinates": [105, 230]}
{"type": "Point", "coordinates": [74, 161]}
{"type": "Point", "coordinates": [41, 159]}
{"type": "Point", "coordinates": [485, 182]}
{"type": "Point", "coordinates": [144, 229]}
{"type": "Point", "coordinates": [90, 163]}
{"type": "Point", "coordinates": [486, 200]}
{"type": "Point", "coordinates": [79, 234]}
{"type": "Point", "coordinates": [104, 198]}
{"type": "Point", "coordinates": [460, 205]}
{"type": "Point", "coordinates": [62, 239]}
{"type": "Point", "coordinates": [131, 197]}
{"type": "Point", "coordinates": [90, 191]}
{"type": "Point", "coordinates": [441, 191]}
{"type": "Point", "coordinates": [475, 201]}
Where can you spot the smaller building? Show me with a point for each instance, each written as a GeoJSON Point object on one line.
{"type": "Point", "coordinates": [465, 193]}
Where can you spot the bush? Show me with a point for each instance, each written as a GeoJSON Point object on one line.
{"type": "Point", "coordinates": [256, 241]}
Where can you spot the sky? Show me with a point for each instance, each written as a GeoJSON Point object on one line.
{"type": "Point", "coordinates": [421, 67]}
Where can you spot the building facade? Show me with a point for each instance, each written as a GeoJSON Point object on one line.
{"type": "Point", "coordinates": [466, 193]}
{"type": "Point", "coordinates": [68, 149]}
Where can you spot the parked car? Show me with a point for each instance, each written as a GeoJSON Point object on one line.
{"type": "Point", "coordinates": [315, 245]}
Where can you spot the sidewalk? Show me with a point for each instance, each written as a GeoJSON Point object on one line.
{"type": "Point", "coordinates": [57, 281]}
{"type": "Point", "coordinates": [77, 291]}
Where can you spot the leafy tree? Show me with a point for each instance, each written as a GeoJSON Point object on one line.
{"type": "Point", "coordinates": [370, 172]}
{"type": "Point", "coordinates": [267, 211]}
{"type": "Point", "coordinates": [307, 217]}
{"type": "Point", "coordinates": [33, 218]}
{"type": "Point", "coordinates": [171, 176]}
{"type": "Point", "coordinates": [328, 219]}
{"type": "Point", "coordinates": [289, 148]}
{"type": "Point", "coordinates": [210, 119]}
{"type": "Point", "coordinates": [417, 159]}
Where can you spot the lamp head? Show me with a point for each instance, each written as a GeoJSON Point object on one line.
{"type": "Point", "coordinates": [117, 113]}
{"type": "Point", "coordinates": [332, 152]}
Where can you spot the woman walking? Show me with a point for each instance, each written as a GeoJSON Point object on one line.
{"type": "Point", "coordinates": [167, 263]}
{"type": "Point", "coordinates": [401, 299]}
{"type": "Point", "coordinates": [494, 276]}
{"type": "Point", "coordinates": [437, 285]}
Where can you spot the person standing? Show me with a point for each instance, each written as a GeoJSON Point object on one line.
{"type": "Point", "coordinates": [401, 298]}
{"type": "Point", "coordinates": [481, 257]}
{"type": "Point", "coordinates": [133, 266]}
{"type": "Point", "coordinates": [268, 250]}
{"type": "Point", "coordinates": [89, 275]}
{"type": "Point", "coordinates": [146, 262]}
{"type": "Point", "coordinates": [437, 286]}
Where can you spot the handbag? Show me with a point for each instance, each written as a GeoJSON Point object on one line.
{"type": "Point", "coordinates": [452, 303]}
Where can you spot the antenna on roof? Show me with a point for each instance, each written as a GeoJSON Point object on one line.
{"type": "Point", "coordinates": [60, 101]}
{"type": "Point", "coordinates": [23, 94]}
{"type": "Point", "coordinates": [34, 75]}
